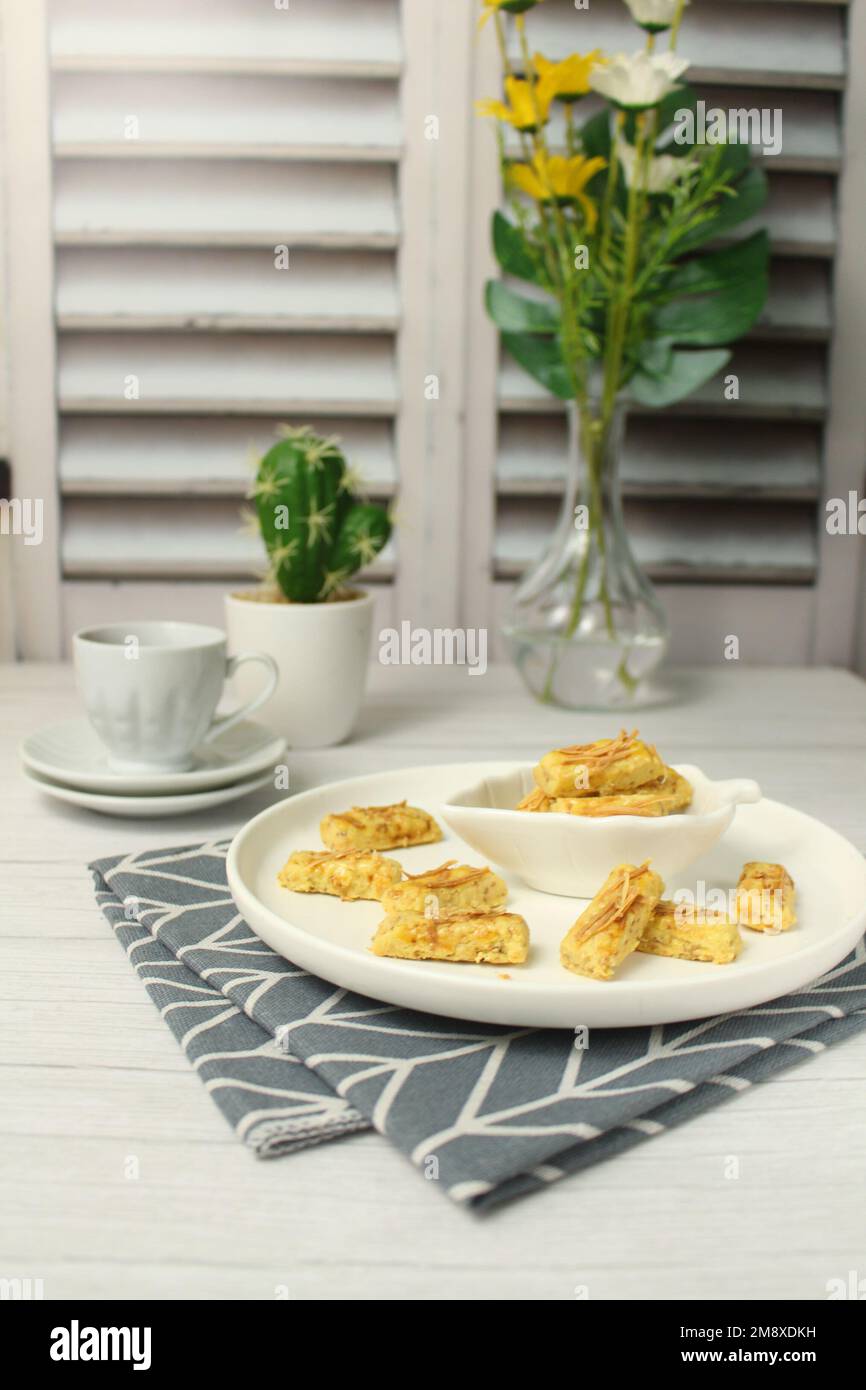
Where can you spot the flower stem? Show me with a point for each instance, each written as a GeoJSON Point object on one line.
{"type": "Point", "coordinates": [675, 27]}
{"type": "Point", "coordinates": [609, 187]}
{"type": "Point", "coordinates": [595, 431]}
{"type": "Point", "coordinates": [592, 447]}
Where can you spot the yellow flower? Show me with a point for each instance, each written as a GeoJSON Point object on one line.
{"type": "Point", "coordinates": [559, 179]}
{"type": "Point", "coordinates": [568, 80]}
{"type": "Point", "coordinates": [525, 109]}
{"type": "Point", "coordinates": [491, 7]}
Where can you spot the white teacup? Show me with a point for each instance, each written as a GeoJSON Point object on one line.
{"type": "Point", "coordinates": [151, 689]}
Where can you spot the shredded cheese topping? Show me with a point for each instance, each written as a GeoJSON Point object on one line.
{"type": "Point", "coordinates": [602, 753]}
{"type": "Point", "coordinates": [441, 875]}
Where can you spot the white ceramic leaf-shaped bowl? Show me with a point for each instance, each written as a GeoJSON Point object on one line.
{"type": "Point", "coordinates": [572, 855]}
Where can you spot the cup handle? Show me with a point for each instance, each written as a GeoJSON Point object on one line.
{"type": "Point", "coordinates": [226, 721]}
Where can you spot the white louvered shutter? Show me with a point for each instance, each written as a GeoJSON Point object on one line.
{"type": "Point", "coordinates": [717, 492]}
{"type": "Point", "coordinates": [190, 141]}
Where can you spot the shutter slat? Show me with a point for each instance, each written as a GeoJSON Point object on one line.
{"type": "Point", "coordinates": [766, 543]}
{"type": "Point", "coordinates": [233, 65]}
{"type": "Point", "coordinates": [275, 153]}
{"type": "Point", "coordinates": [181, 373]}
{"type": "Point", "coordinates": [181, 455]}
{"type": "Point", "coordinates": [246, 203]}
{"type": "Point", "coordinates": [159, 538]}
{"type": "Point", "coordinates": [799, 215]}
{"type": "Point", "coordinates": [729, 43]}
{"type": "Point", "coordinates": [306, 31]}
{"type": "Point", "coordinates": [698, 460]}
{"type": "Point", "coordinates": [226, 291]}
{"type": "Point", "coordinates": [799, 302]}
{"type": "Point", "coordinates": [90, 601]}
{"type": "Point", "coordinates": [224, 117]}
{"type": "Point", "coordinates": [775, 381]}
{"type": "Point", "coordinates": [809, 126]}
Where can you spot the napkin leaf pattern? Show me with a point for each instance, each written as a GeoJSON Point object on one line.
{"type": "Point", "coordinates": [486, 1112]}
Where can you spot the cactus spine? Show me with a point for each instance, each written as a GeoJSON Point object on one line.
{"type": "Point", "coordinates": [316, 532]}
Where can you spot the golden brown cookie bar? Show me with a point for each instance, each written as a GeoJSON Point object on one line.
{"type": "Point", "coordinates": [379, 827]}
{"type": "Point", "coordinates": [610, 928]}
{"type": "Point", "coordinates": [352, 874]}
{"type": "Point", "coordinates": [669, 794]}
{"type": "Point", "coordinates": [765, 897]}
{"type": "Point", "coordinates": [675, 929]}
{"type": "Point", "coordinates": [666, 796]}
{"type": "Point", "coordinates": [493, 938]}
{"type": "Point", "coordinates": [451, 888]}
{"type": "Point", "coordinates": [610, 765]}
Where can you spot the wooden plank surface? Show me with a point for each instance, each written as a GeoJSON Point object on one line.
{"type": "Point", "coordinates": [90, 1075]}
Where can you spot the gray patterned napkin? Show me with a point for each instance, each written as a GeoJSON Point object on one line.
{"type": "Point", "coordinates": [489, 1112]}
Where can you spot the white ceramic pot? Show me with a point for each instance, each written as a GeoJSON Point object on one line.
{"type": "Point", "coordinates": [321, 651]}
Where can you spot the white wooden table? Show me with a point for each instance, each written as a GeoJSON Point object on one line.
{"type": "Point", "coordinates": [91, 1076]}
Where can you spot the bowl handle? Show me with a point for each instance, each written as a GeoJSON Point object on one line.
{"type": "Point", "coordinates": [738, 789]}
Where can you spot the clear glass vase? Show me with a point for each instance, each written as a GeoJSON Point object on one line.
{"type": "Point", "coordinates": [584, 624]}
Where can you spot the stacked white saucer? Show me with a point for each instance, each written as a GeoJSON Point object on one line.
{"type": "Point", "coordinates": [153, 744]}
{"type": "Point", "coordinates": [68, 761]}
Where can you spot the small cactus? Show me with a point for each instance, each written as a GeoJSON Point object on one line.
{"type": "Point", "coordinates": [317, 533]}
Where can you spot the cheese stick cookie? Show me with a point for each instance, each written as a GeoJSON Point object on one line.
{"type": "Point", "coordinates": [350, 875]}
{"type": "Point", "coordinates": [665, 797]}
{"type": "Point", "coordinates": [535, 801]}
{"type": "Point", "coordinates": [493, 938]}
{"type": "Point", "coordinates": [610, 765]}
{"type": "Point", "coordinates": [765, 897]}
{"type": "Point", "coordinates": [379, 827]}
{"type": "Point", "coordinates": [610, 928]}
{"type": "Point", "coordinates": [441, 892]}
{"type": "Point", "coordinates": [675, 929]}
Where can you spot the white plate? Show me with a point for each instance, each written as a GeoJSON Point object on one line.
{"type": "Point", "coordinates": [331, 938]}
{"type": "Point", "coordinates": [72, 754]}
{"type": "Point", "coordinates": [559, 853]}
{"type": "Point", "coordinates": [145, 807]}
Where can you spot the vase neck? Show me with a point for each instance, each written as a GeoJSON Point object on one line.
{"type": "Point", "coordinates": [594, 447]}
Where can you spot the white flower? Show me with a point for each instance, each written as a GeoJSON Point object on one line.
{"type": "Point", "coordinates": [654, 15]}
{"type": "Point", "coordinates": [639, 81]}
{"type": "Point", "coordinates": [660, 171]}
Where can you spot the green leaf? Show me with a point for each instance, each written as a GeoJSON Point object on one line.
{"type": "Point", "coordinates": [718, 296]}
{"type": "Point", "coordinates": [542, 359]}
{"type": "Point", "coordinates": [514, 314]}
{"type": "Point", "coordinates": [716, 270]}
{"type": "Point", "coordinates": [654, 355]}
{"type": "Point", "coordinates": [512, 252]}
{"type": "Point", "coordinates": [596, 141]}
{"type": "Point", "coordinates": [704, 320]}
{"type": "Point", "coordinates": [748, 197]}
{"type": "Point", "coordinates": [683, 98]}
{"type": "Point", "coordinates": [734, 159]}
{"type": "Point", "coordinates": [685, 373]}
{"type": "Point", "coordinates": [595, 135]}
